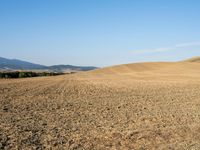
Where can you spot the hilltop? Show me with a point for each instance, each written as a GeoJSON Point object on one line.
{"type": "Point", "coordinates": [194, 59]}
{"type": "Point", "coordinates": [185, 67]}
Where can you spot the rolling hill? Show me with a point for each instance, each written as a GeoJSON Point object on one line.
{"type": "Point", "coordinates": [189, 66]}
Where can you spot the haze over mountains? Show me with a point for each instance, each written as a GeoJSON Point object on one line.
{"type": "Point", "coordinates": [15, 64]}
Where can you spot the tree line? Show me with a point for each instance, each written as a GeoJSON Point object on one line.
{"type": "Point", "coordinates": [19, 74]}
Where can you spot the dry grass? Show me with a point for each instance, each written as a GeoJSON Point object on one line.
{"type": "Point", "coordinates": [135, 106]}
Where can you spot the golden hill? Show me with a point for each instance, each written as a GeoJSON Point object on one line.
{"type": "Point", "coordinates": [152, 69]}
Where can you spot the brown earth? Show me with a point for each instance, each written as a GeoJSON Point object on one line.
{"type": "Point", "coordinates": [135, 106]}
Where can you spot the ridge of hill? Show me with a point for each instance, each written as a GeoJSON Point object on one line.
{"type": "Point", "coordinates": [193, 59]}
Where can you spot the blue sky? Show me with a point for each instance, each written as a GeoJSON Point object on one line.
{"type": "Point", "coordinates": [99, 32]}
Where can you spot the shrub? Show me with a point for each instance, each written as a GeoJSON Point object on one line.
{"type": "Point", "coordinates": [22, 75]}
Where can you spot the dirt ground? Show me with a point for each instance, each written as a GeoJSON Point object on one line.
{"type": "Point", "coordinates": [129, 107]}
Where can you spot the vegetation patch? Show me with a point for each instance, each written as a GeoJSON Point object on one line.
{"type": "Point", "coordinates": [26, 74]}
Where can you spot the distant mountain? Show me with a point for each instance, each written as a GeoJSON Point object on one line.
{"type": "Point", "coordinates": [62, 68]}
{"type": "Point", "coordinates": [15, 64]}
{"type": "Point", "coordinates": [18, 64]}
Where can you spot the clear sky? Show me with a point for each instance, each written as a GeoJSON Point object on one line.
{"type": "Point", "coordinates": [99, 32]}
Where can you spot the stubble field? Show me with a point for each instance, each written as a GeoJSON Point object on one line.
{"type": "Point", "coordinates": [135, 106]}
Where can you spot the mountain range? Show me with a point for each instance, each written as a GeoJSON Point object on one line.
{"type": "Point", "coordinates": [15, 64]}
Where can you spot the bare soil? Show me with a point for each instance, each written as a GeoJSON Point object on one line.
{"type": "Point", "coordinates": [135, 106]}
